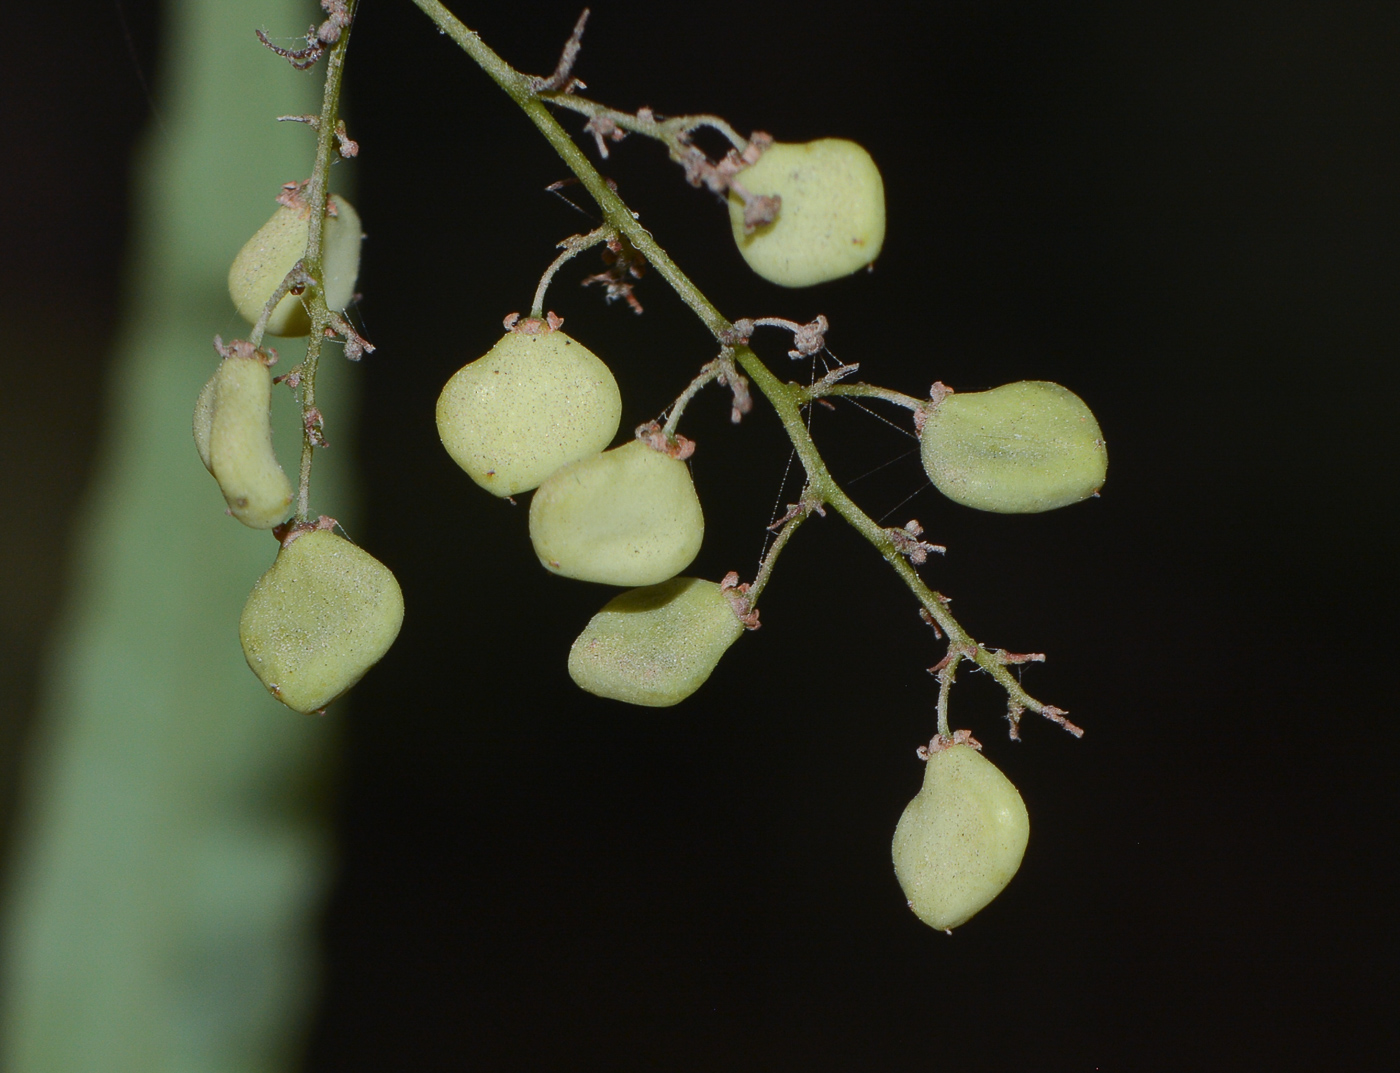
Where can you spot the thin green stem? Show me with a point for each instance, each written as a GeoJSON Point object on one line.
{"type": "Point", "coordinates": [800, 514]}
{"type": "Point", "coordinates": [517, 87]}
{"type": "Point", "coordinates": [294, 278]}
{"type": "Point", "coordinates": [786, 398]}
{"type": "Point", "coordinates": [572, 247]}
{"type": "Point", "coordinates": [321, 317]}
{"type": "Point", "coordinates": [708, 374]}
{"type": "Point", "coordinates": [945, 686]}
{"type": "Point", "coordinates": [869, 391]}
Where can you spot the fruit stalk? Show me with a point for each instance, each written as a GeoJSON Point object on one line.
{"type": "Point", "coordinates": [572, 247]}
{"type": "Point", "coordinates": [821, 390]}
{"type": "Point", "coordinates": [320, 314]}
{"type": "Point", "coordinates": [787, 399]}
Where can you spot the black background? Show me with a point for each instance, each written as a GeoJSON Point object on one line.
{"type": "Point", "coordinates": [1186, 215]}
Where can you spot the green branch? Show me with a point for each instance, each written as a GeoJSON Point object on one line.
{"type": "Point", "coordinates": [315, 300]}
{"type": "Point", "coordinates": [787, 399]}
{"type": "Point", "coordinates": [308, 272]}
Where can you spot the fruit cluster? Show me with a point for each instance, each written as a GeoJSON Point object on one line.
{"type": "Point", "coordinates": [539, 413]}
{"type": "Point", "coordinates": [536, 412]}
{"type": "Point", "coordinates": [325, 611]}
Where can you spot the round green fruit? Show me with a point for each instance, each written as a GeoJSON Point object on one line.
{"type": "Point", "coordinates": [629, 516]}
{"type": "Point", "coordinates": [533, 403]}
{"type": "Point", "coordinates": [233, 434]}
{"type": "Point", "coordinates": [1017, 449]}
{"type": "Point", "coordinates": [831, 221]}
{"type": "Point", "coordinates": [324, 614]}
{"type": "Point", "coordinates": [655, 646]}
{"type": "Point", "coordinates": [961, 839]}
{"type": "Point", "coordinates": [277, 246]}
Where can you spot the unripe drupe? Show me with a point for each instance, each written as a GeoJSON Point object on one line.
{"type": "Point", "coordinates": [322, 615]}
{"type": "Point", "coordinates": [655, 646]}
{"type": "Point", "coordinates": [831, 220]}
{"type": "Point", "coordinates": [1017, 449]}
{"type": "Point", "coordinates": [536, 401]}
{"type": "Point", "coordinates": [960, 840]}
{"type": "Point", "coordinates": [233, 434]}
{"type": "Point", "coordinates": [629, 516]}
{"type": "Point", "coordinates": [278, 245]}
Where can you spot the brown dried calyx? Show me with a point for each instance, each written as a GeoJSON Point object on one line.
{"type": "Point", "coordinates": [673, 446]}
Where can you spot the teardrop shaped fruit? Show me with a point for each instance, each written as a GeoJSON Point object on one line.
{"type": "Point", "coordinates": [233, 432]}
{"type": "Point", "coordinates": [655, 646]}
{"type": "Point", "coordinates": [1017, 449]}
{"type": "Point", "coordinates": [324, 614]}
{"type": "Point", "coordinates": [961, 839]}
{"type": "Point", "coordinates": [831, 221]}
{"type": "Point", "coordinates": [278, 245]}
{"type": "Point", "coordinates": [533, 403]}
{"type": "Point", "coordinates": [629, 516]}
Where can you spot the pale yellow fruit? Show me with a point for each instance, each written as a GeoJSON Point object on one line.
{"type": "Point", "coordinates": [961, 839]}
{"type": "Point", "coordinates": [237, 447]}
{"type": "Point", "coordinates": [533, 403]}
{"type": "Point", "coordinates": [655, 646]}
{"type": "Point", "coordinates": [324, 614]}
{"type": "Point", "coordinates": [1017, 449]}
{"type": "Point", "coordinates": [269, 255]}
{"type": "Point", "coordinates": [629, 516]}
{"type": "Point", "coordinates": [832, 218]}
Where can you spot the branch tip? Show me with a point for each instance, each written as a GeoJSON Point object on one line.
{"type": "Point", "coordinates": [561, 81]}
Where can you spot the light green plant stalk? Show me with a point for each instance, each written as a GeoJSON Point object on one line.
{"type": "Point", "coordinates": [787, 399]}
{"type": "Point", "coordinates": [171, 849]}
